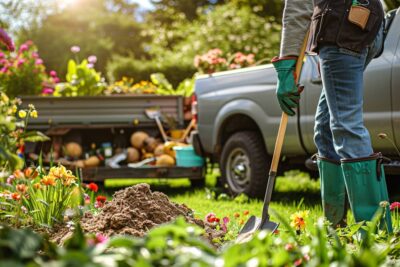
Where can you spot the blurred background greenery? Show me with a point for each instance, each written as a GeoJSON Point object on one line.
{"type": "Point", "coordinates": [131, 40]}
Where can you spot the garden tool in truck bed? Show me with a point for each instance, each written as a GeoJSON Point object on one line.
{"type": "Point", "coordinates": [155, 114]}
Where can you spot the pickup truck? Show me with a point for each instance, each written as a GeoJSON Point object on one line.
{"type": "Point", "coordinates": [107, 120]}
{"type": "Point", "coordinates": [238, 116]}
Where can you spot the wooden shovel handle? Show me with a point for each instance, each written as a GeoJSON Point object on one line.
{"type": "Point", "coordinates": [284, 119]}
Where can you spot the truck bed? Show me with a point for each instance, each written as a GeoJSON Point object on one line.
{"type": "Point", "coordinates": [101, 111]}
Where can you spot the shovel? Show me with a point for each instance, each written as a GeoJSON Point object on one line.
{"type": "Point", "coordinates": [254, 223]}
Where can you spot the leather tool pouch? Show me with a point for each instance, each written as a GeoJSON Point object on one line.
{"type": "Point", "coordinates": [359, 15]}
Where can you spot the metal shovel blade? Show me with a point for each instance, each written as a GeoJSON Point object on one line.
{"type": "Point", "coordinates": [252, 225]}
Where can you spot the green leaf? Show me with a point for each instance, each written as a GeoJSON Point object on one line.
{"type": "Point", "coordinates": [77, 240]}
{"type": "Point", "coordinates": [35, 136]}
{"type": "Point", "coordinates": [71, 70]}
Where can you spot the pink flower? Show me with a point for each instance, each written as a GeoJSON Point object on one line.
{"type": "Point", "coordinates": [20, 62]}
{"type": "Point", "coordinates": [10, 179]}
{"type": "Point", "coordinates": [298, 262]}
{"type": "Point", "coordinates": [101, 239]}
{"type": "Point", "coordinates": [53, 73]}
{"type": "Point", "coordinates": [98, 239]}
{"type": "Point", "coordinates": [23, 48]}
{"type": "Point", "coordinates": [2, 55]}
{"type": "Point", "coordinates": [29, 43]}
{"type": "Point", "coordinates": [4, 70]}
{"type": "Point", "coordinates": [90, 65]}
{"type": "Point", "coordinates": [39, 61]}
{"type": "Point", "coordinates": [35, 54]}
{"type": "Point", "coordinates": [250, 58]}
{"type": "Point", "coordinates": [224, 226]}
{"type": "Point", "coordinates": [394, 206]}
{"type": "Point", "coordinates": [92, 59]}
{"type": "Point", "coordinates": [56, 80]}
{"type": "Point", "coordinates": [47, 91]}
{"type": "Point", "coordinates": [75, 49]}
{"type": "Point", "coordinates": [4, 38]}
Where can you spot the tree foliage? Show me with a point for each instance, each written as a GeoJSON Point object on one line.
{"type": "Point", "coordinates": [96, 26]}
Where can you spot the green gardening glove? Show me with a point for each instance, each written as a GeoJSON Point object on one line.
{"type": "Point", "coordinates": [287, 92]}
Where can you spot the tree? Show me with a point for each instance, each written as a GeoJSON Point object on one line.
{"type": "Point", "coordinates": [188, 8]}
{"type": "Point", "coordinates": [98, 26]}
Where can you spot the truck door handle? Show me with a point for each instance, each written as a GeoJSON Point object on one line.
{"type": "Point", "coordinates": [316, 80]}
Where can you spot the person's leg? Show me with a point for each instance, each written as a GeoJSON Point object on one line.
{"type": "Point", "coordinates": [333, 191]}
{"type": "Point", "coordinates": [342, 75]}
{"type": "Point", "coordinates": [322, 131]}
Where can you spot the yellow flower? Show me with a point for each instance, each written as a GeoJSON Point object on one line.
{"type": "Point", "coordinates": [22, 114]}
{"type": "Point", "coordinates": [34, 114]}
{"type": "Point", "coordinates": [63, 174]}
{"type": "Point", "coordinates": [4, 98]}
{"type": "Point", "coordinates": [14, 109]}
{"type": "Point", "coordinates": [298, 219]}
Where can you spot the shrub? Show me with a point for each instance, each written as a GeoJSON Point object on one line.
{"type": "Point", "coordinates": [23, 72]}
{"type": "Point", "coordinates": [141, 70]}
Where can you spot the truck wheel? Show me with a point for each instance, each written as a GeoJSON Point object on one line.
{"type": "Point", "coordinates": [244, 164]}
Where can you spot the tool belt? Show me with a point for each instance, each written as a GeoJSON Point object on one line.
{"type": "Point", "coordinates": [349, 24]}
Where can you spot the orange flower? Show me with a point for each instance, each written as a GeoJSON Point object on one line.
{"type": "Point", "coordinates": [37, 186]}
{"type": "Point", "coordinates": [298, 221]}
{"type": "Point", "coordinates": [31, 173]}
{"type": "Point", "coordinates": [48, 180]}
{"type": "Point", "coordinates": [22, 188]}
{"type": "Point", "coordinates": [15, 196]}
{"type": "Point", "coordinates": [18, 174]}
{"type": "Point", "coordinates": [241, 222]}
{"type": "Point", "coordinates": [246, 212]}
{"type": "Point", "coordinates": [236, 215]}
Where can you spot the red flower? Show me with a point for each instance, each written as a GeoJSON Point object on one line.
{"type": "Point", "coordinates": [15, 196]}
{"type": "Point", "coordinates": [394, 206]}
{"type": "Point", "coordinates": [93, 187]}
{"type": "Point", "coordinates": [101, 199]}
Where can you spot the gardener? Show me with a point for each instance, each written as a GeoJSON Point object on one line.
{"type": "Point", "coordinates": [347, 35]}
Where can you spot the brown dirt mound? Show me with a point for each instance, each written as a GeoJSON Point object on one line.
{"type": "Point", "coordinates": [134, 211]}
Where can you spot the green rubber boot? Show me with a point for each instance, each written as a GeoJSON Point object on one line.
{"type": "Point", "coordinates": [366, 187]}
{"type": "Point", "coordinates": [333, 191]}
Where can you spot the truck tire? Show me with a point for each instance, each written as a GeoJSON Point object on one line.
{"type": "Point", "coordinates": [244, 164]}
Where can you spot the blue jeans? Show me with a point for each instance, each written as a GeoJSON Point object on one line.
{"type": "Point", "coordinates": [339, 127]}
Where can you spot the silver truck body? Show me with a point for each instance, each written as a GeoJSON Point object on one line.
{"type": "Point", "coordinates": [232, 101]}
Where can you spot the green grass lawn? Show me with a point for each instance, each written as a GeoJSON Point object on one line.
{"type": "Point", "coordinates": [293, 192]}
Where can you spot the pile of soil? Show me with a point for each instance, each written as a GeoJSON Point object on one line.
{"type": "Point", "coordinates": [134, 211]}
